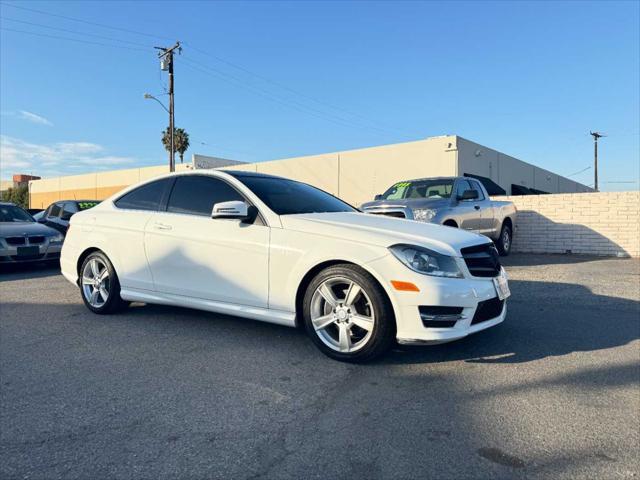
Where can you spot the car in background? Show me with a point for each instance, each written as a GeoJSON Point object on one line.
{"type": "Point", "coordinates": [281, 251]}
{"type": "Point", "coordinates": [34, 211]}
{"type": "Point", "coordinates": [58, 214]}
{"type": "Point", "coordinates": [461, 202]}
{"type": "Point", "coordinates": [22, 239]}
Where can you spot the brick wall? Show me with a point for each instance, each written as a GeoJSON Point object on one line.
{"type": "Point", "coordinates": [602, 223]}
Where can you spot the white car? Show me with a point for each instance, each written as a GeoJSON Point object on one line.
{"type": "Point", "coordinates": [281, 251]}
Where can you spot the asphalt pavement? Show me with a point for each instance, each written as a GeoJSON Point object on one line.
{"type": "Point", "coordinates": [158, 392]}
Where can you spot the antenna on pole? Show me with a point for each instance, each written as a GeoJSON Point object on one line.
{"type": "Point", "coordinates": [596, 136]}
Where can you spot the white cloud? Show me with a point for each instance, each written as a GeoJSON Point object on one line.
{"type": "Point", "coordinates": [34, 118]}
{"type": "Point", "coordinates": [46, 160]}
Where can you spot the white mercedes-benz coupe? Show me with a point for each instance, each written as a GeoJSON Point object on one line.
{"type": "Point", "coordinates": [281, 251]}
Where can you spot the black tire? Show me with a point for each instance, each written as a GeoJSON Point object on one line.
{"type": "Point", "coordinates": [504, 243]}
{"type": "Point", "coordinates": [383, 333]}
{"type": "Point", "coordinates": [114, 302]}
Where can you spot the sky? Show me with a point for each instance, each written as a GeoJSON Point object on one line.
{"type": "Point", "coordinates": [265, 80]}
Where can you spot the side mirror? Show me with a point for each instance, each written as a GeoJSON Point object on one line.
{"type": "Point", "coordinates": [378, 197]}
{"type": "Point", "coordinates": [468, 195]}
{"type": "Point", "coordinates": [234, 209]}
{"type": "Point", "coordinates": [42, 220]}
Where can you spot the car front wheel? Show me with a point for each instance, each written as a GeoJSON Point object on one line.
{"type": "Point", "coordinates": [348, 315]}
{"type": "Point", "coordinates": [99, 284]}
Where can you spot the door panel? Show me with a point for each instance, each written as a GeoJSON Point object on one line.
{"type": "Point", "coordinates": [467, 211]}
{"type": "Point", "coordinates": [215, 259]}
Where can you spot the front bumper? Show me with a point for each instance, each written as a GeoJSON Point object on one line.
{"type": "Point", "coordinates": [467, 293]}
{"type": "Point", "coordinates": [46, 251]}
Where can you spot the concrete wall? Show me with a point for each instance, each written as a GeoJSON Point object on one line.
{"type": "Point", "coordinates": [505, 170]}
{"type": "Point", "coordinates": [602, 223]}
{"type": "Point", "coordinates": [357, 176]}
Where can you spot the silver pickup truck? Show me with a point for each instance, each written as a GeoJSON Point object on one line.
{"type": "Point", "coordinates": [460, 202]}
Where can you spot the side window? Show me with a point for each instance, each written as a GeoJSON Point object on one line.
{"type": "Point", "coordinates": [461, 186]}
{"type": "Point", "coordinates": [68, 209]}
{"type": "Point", "coordinates": [196, 194]}
{"type": "Point", "coordinates": [55, 211]}
{"type": "Point", "coordinates": [146, 197]}
{"type": "Point", "coordinates": [476, 186]}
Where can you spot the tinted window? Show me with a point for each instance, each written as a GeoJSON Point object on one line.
{"type": "Point", "coordinates": [461, 186]}
{"type": "Point", "coordinates": [196, 194]}
{"type": "Point", "coordinates": [12, 213]}
{"type": "Point", "coordinates": [146, 197]}
{"type": "Point", "coordinates": [476, 186]}
{"type": "Point", "coordinates": [56, 209]}
{"type": "Point", "coordinates": [287, 197]}
{"type": "Point", "coordinates": [68, 209]}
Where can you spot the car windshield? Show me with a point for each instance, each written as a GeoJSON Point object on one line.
{"type": "Point", "coordinates": [11, 213]}
{"type": "Point", "coordinates": [288, 197]}
{"type": "Point", "coordinates": [419, 189]}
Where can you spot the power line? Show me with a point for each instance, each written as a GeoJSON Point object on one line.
{"type": "Point", "coordinates": [583, 170]}
{"type": "Point", "coordinates": [207, 70]}
{"type": "Point", "coordinates": [76, 32]}
{"type": "Point", "coordinates": [70, 39]}
{"type": "Point", "coordinates": [285, 87]}
{"type": "Point", "coordinates": [74, 19]}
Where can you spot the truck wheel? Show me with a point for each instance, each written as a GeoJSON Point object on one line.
{"type": "Point", "coordinates": [504, 242]}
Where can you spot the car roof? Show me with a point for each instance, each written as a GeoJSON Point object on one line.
{"type": "Point", "coordinates": [8, 204]}
{"type": "Point", "coordinates": [427, 178]}
{"type": "Point", "coordinates": [240, 174]}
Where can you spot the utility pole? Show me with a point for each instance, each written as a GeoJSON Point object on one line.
{"type": "Point", "coordinates": [166, 63]}
{"type": "Point", "coordinates": [596, 136]}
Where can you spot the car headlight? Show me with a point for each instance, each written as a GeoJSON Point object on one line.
{"type": "Point", "coordinates": [423, 214]}
{"type": "Point", "coordinates": [57, 238]}
{"type": "Point", "coordinates": [427, 262]}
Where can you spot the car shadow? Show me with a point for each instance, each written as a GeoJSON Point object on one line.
{"type": "Point", "coordinates": [544, 319]}
{"type": "Point", "coordinates": [518, 259]}
{"type": "Point", "coordinates": [23, 271]}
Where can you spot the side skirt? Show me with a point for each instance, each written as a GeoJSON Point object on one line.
{"type": "Point", "coordinates": [279, 317]}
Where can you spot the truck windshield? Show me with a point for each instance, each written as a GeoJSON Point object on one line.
{"type": "Point", "coordinates": [419, 189]}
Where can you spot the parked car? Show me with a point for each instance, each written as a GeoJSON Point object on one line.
{"type": "Point", "coordinates": [281, 251]}
{"type": "Point", "coordinates": [34, 211]}
{"type": "Point", "coordinates": [460, 202]}
{"type": "Point", "coordinates": [22, 239]}
{"type": "Point", "coordinates": [58, 214]}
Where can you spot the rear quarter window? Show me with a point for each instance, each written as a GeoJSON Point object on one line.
{"type": "Point", "coordinates": [146, 197]}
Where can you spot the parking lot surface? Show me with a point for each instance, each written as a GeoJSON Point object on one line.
{"type": "Point", "coordinates": [160, 392]}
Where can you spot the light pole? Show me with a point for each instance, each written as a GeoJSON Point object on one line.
{"type": "Point", "coordinates": [148, 96]}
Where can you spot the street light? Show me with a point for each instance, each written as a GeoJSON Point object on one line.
{"type": "Point", "coordinates": [148, 96]}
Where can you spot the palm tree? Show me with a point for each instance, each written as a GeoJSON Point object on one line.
{"type": "Point", "coordinates": [180, 140]}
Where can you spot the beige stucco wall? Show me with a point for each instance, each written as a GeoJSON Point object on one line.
{"type": "Point", "coordinates": [358, 175]}
{"type": "Point", "coordinates": [598, 223]}
{"type": "Point", "coordinates": [91, 186]}
{"type": "Point", "coordinates": [505, 170]}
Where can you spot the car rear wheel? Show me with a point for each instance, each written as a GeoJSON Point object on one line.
{"type": "Point", "coordinates": [504, 242]}
{"type": "Point", "coordinates": [99, 285]}
{"type": "Point", "coordinates": [348, 315]}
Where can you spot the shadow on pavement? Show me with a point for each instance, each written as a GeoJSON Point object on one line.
{"type": "Point", "coordinates": [538, 259]}
{"type": "Point", "coordinates": [23, 271]}
{"type": "Point", "coordinates": [544, 319]}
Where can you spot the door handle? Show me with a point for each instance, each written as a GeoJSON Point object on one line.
{"type": "Point", "coordinates": [162, 226]}
{"type": "Point", "coordinates": [477, 207]}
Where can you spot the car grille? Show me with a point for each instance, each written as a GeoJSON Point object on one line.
{"type": "Point", "coordinates": [482, 260]}
{"type": "Point", "coordinates": [487, 310]}
{"type": "Point", "coordinates": [16, 240]}
{"type": "Point", "coordinates": [391, 214]}
{"type": "Point", "coordinates": [36, 240]}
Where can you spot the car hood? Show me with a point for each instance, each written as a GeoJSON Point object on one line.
{"type": "Point", "coordinates": [434, 203]}
{"type": "Point", "coordinates": [20, 229]}
{"type": "Point", "coordinates": [383, 231]}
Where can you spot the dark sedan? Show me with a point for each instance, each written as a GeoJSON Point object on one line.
{"type": "Point", "coordinates": [22, 239]}
{"type": "Point", "coordinates": [58, 214]}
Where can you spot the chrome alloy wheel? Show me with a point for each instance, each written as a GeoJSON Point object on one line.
{"type": "Point", "coordinates": [342, 314]}
{"type": "Point", "coordinates": [506, 239]}
{"type": "Point", "coordinates": [95, 283]}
